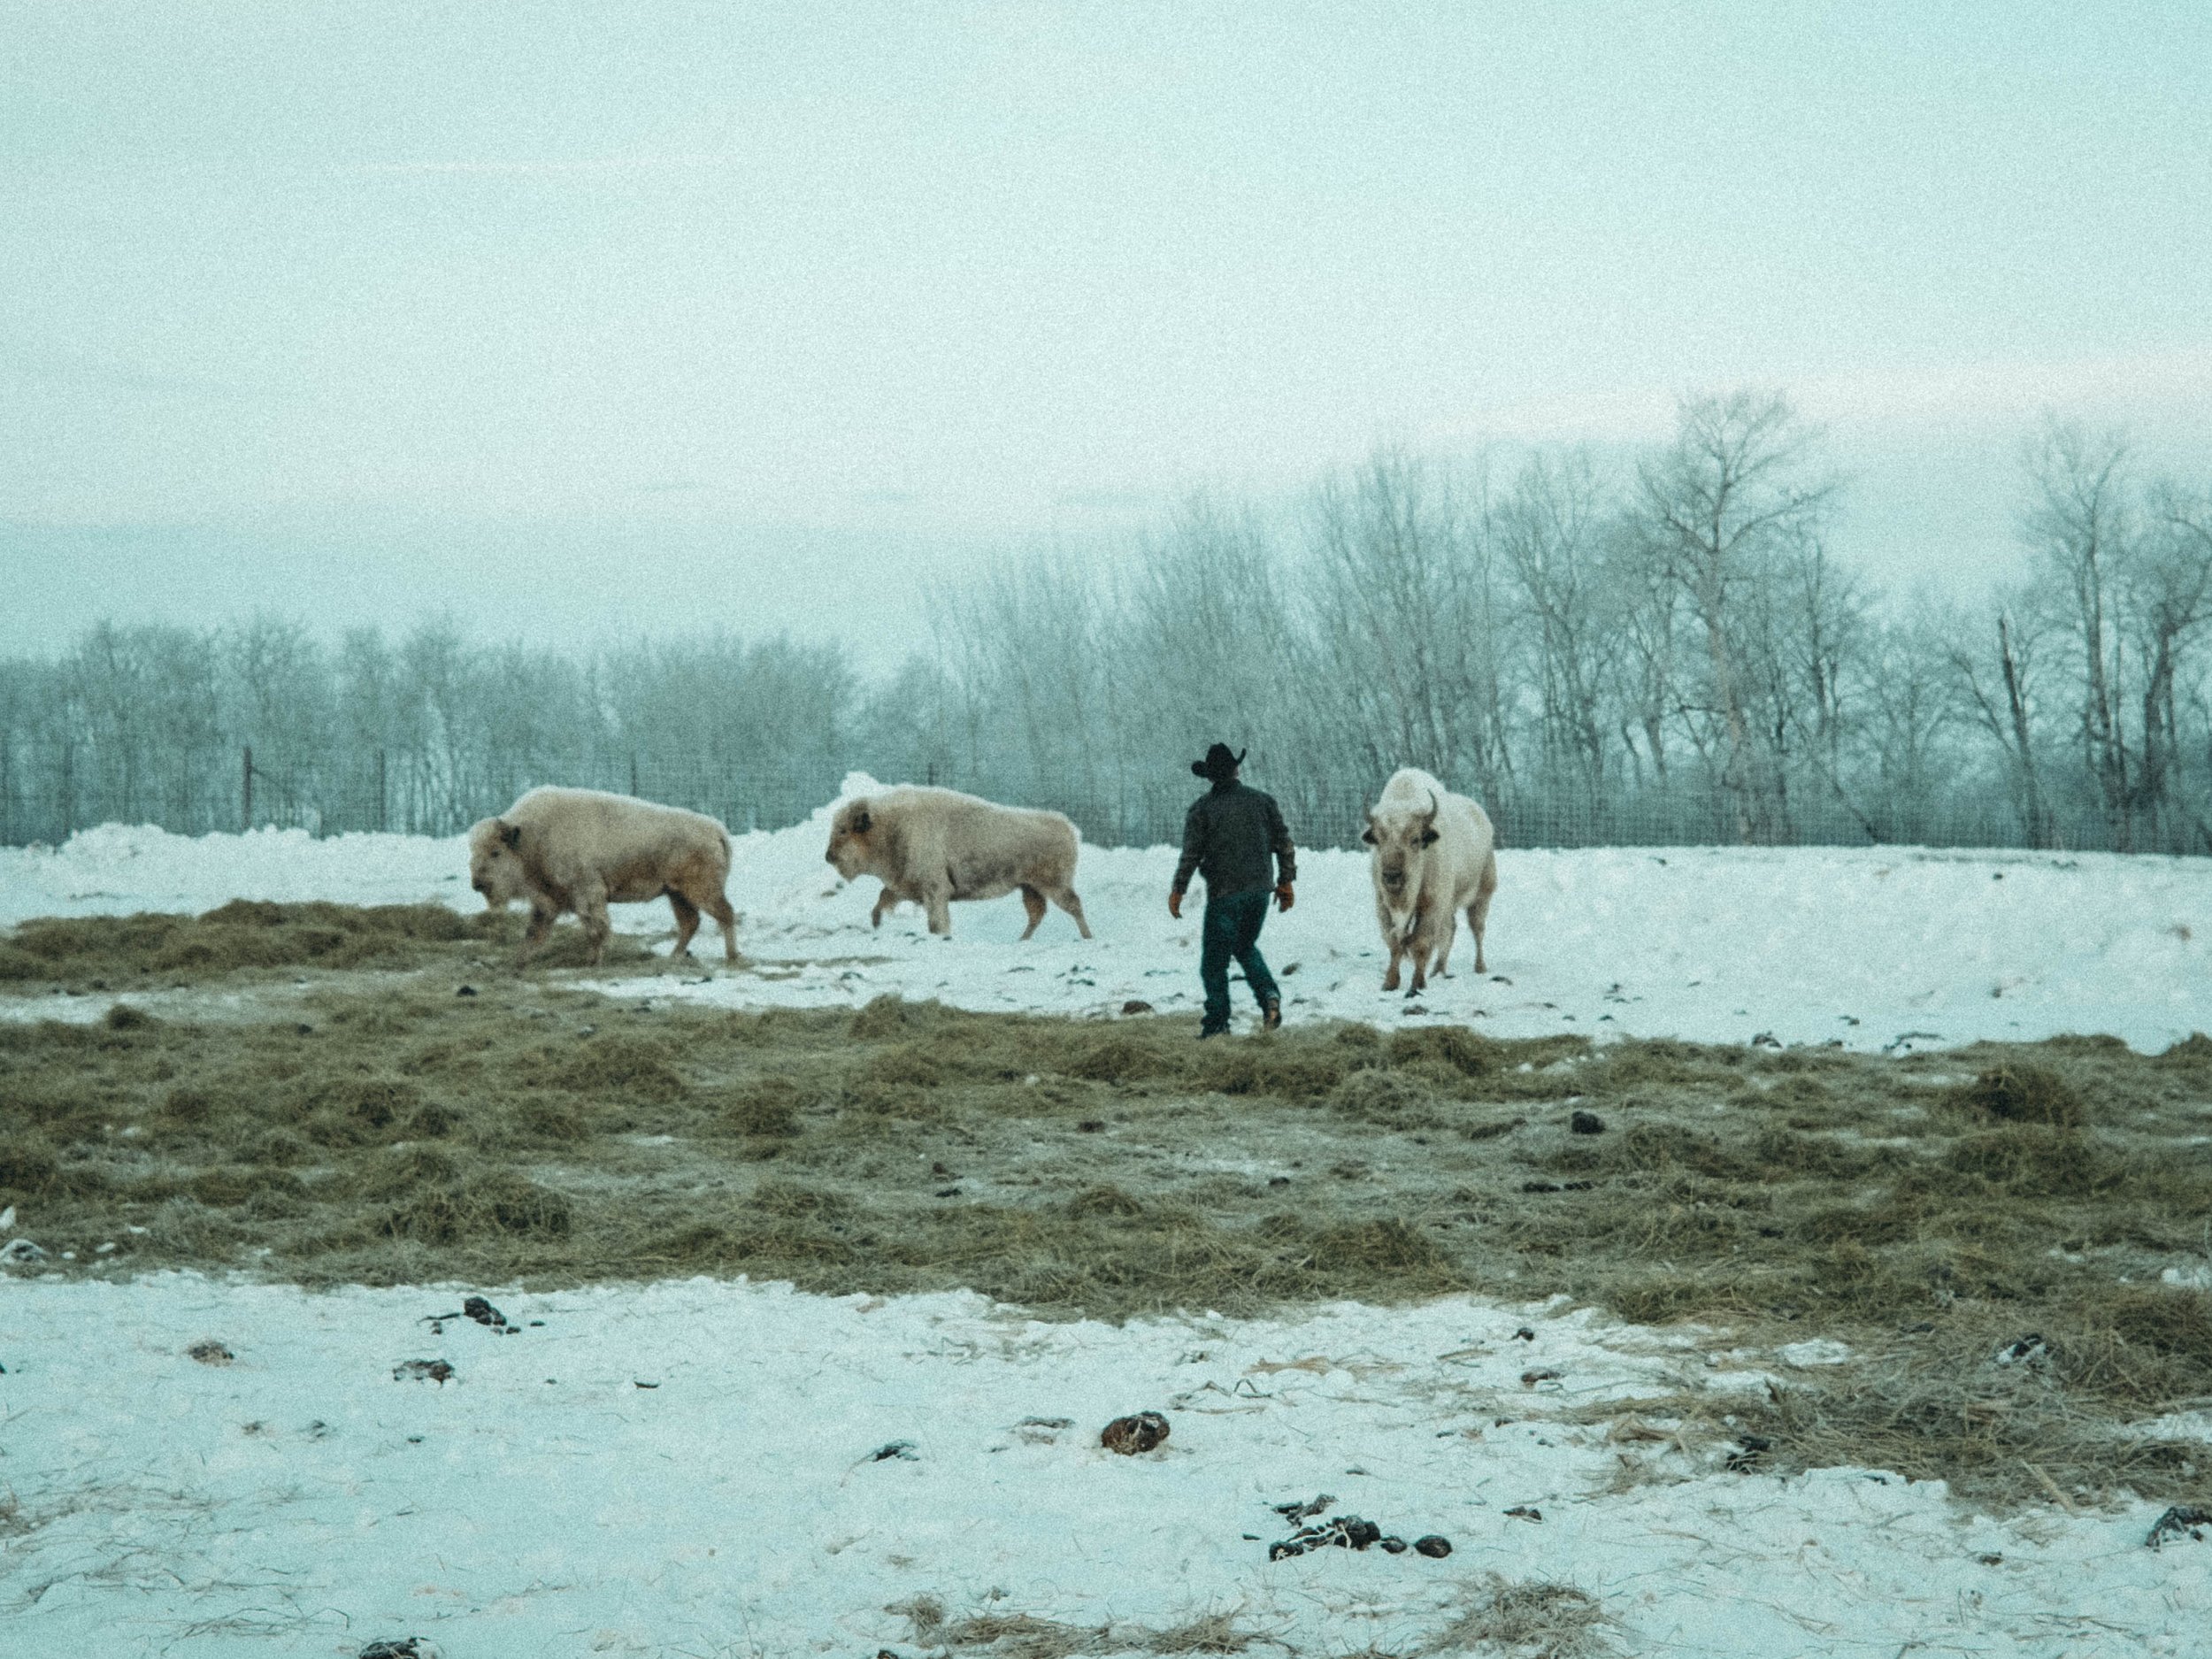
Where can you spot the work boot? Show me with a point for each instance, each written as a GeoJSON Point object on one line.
{"type": "Point", "coordinates": [1205, 1032]}
{"type": "Point", "coordinates": [1271, 1014]}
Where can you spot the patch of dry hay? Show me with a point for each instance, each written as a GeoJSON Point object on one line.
{"type": "Point", "coordinates": [1529, 1619]}
{"type": "Point", "coordinates": [534, 1131]}
{"type": "Point", "coordinates": [2022, 1093]}
{"type": "Point", "coordinates": [1005, 1635]}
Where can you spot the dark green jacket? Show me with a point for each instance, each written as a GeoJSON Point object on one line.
{"type": "Point", "coordinates": [1227, 837]}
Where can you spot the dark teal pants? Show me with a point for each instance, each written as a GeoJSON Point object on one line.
{"type": "Point", "coordinates": [1232, 930]}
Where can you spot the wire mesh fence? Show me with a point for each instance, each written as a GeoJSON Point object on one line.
{"type": "Point", "coordinates": [47, 795]}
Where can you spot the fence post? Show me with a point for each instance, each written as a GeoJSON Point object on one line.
{"type": "Point", "coordinates": [245, 790]}
{"type": "Point", "coordinates": [633, 772]}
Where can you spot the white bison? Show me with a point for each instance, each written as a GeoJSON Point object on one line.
{"type": "Point", "coordinates": [1434, 855]}
{"type": "Point", "coordinates": [932, 846]}
{"type": "Point", "coordinates": [579, 849]}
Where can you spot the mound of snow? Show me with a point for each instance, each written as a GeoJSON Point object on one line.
{"type": "Point", "coordinates": [117, 869]}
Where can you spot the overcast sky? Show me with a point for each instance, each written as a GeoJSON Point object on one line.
{"type": "Point", "coordinates": [620, 317]}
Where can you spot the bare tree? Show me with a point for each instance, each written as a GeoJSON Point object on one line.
{"type": "Point", "coordinates": [1209, 649]}
{"type": "Point", "coordinates": [1551, 530]}
{"type": "Point", "coordinates": [1646, 609]}
{"type": "Point", "coordinates": [2079, 528]}
{"type": "Point", "coordinates": [1404, 619]}
{"type": "Point", "coordinates": [905, 729]}
{"type": "Point", "coordinates": [1915, 712]}
{"type": "Point", "coordinates": [1998, 694]}
{"type": "Point", "coordinates": [1678, 654]}
{"type": "Point", "coordinates": [2169, 591]}
{"type": "Point", "coordinates": [1030, 636]}
{"type": "Point", "coordinates": [1720, 504]}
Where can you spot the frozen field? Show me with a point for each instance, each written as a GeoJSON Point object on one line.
{"type": "Point", "coordinates": [700, 1468]}
{"type": "Point", "coordinates": [1877, 947]}
{"type": "Point", "coordinates": [725, 1468]}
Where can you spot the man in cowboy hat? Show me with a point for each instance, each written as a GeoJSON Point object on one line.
{"type": "Point", "coordinates": [1227, 838]}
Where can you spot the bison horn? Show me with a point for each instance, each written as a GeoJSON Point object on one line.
{"type": "Point", "coordinates": [862, 822]}
{"type": "Point", "coordinates": [509, 835]}
{"type": "Point", "coordinates": [1428, 821]}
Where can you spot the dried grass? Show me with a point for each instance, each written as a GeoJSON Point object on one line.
{"type": "Point", "coordinates": [534, 1131]}
{"type": "Point", "coordinates": [245, 934]}
{"type": "Point", "coordinates": [1529, 1619]}
{"type": "Point", "coordinates": [1005, 1635]}
{"type": "Point", "coordinates": [2022, 1093]}
{"type": "Point", "coordinates": [1942, 1407]}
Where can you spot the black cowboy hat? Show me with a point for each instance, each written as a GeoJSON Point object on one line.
{"type": "Point", "coordinates": [1219, 763]}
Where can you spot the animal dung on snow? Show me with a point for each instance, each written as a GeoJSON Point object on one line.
{"type": "Point", "coordinates": [1435, 1546]}
{"type": "Point", "coordinates": [434, 1370]}
{"type": "Point", "coordinates": [2178, 1521]}
{"type": "Point", "coordinates": [1346, 1531]}
{"type": "Point", "coordinates": [208, 1351]}
{"type": "Point", "coordinates": [1748, 1461]}
{"type": "Point", "coordinates": [1132, 1434]}
{"type": "Point", "coordinates": [478, 1308]}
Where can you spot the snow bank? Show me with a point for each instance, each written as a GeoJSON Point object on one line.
{"type": "Point", "coordinates": [120, 868]}
{"type": "Point", "coordinates": [1874, 947]}
{"type": "Point", "coordinates": [695, 1467]}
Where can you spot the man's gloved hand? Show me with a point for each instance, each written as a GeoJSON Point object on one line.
{"type": "Point", "coordinates": [1175, 904]}
{"type": "Point", "coordinates": [1284, 897]}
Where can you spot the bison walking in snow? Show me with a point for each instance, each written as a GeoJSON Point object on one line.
{"type": "Point", "coordinates": [579, 849]}
{"type": "Point", "coordinates": [1434, 855]}
{"type": "Point", "coordinates": [931, 846]}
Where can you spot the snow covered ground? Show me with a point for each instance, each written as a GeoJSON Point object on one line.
{"type": "Point", "coordinates": [687, 1468]}
{"type": "Point", "coordinates": [1875, 948]}
{"type": "Point", "coordinates": [699, 1468]}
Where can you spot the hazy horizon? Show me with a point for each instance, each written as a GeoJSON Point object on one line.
{"type": "Point", "coordinates": [357, 313]}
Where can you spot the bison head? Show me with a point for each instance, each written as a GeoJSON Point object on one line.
{"type": "Point", "coordinates": [848, 844]}
{"type": "Point", "coordinates": [494, 865]}
{"type": "Point", "coordinates": [1399, 838]}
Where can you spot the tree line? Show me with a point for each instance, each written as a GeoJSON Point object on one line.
{"type": "Point", "coordinates": [1661, 649]}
